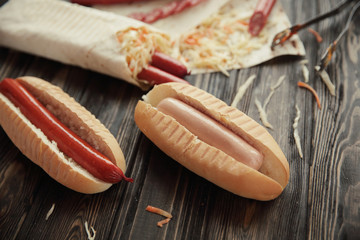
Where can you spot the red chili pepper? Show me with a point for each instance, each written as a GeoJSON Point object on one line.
{"type": "Point", "coordinates": [157, 76]}
{"type": "Point", "coordinates": [260, 15]}
{"type": "Point", "coordinates": [67, 141]}
{"type": "Point", "coordinates": [168, 64]}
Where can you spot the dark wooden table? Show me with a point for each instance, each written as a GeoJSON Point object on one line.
{"type": "Point", "coordinates": [321, 201]}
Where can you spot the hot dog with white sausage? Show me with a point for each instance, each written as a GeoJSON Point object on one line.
{"type": "Point", "coordinates": [203, 134]}
{"type": "Point", "coordinates": [59, 135]}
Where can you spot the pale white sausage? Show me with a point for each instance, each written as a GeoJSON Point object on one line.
{"type": "Point", "coordinates": [210, 131]}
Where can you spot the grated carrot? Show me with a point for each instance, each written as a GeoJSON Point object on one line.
{"type": "Point", "coordinates": [162, 222]}
{"type": "Point", "coordinates": [308, 87]}
{"type": "Point", "coordinates": [228, 29]}
{"type": "Point", "coordinates": [192, 41]}
{"type": "Point", "coordinates": [138, 45]}
{"type": "Point", "coordinates": [226, 35]}
{"type": "Point", "coordinates": [316, 34]}
{"type": "Point", "coordinates": [243, 22]}
{"type": "Point", "coordinates": [158, 211]}
{"type": "Point", "coordinates": [209, 32]}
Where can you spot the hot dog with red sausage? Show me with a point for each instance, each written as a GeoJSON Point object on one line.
{"type": "Point", "coordinates": [59, 135]}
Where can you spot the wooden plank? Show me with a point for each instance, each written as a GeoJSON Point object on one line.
{"type": "Point", "coordinates": [331, 162]}
{"type": "Point", "coordinates": [321, 201]}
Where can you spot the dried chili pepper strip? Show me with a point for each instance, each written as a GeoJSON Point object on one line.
{"type": "Point", "coordinates": [158, 211]}
{"type": "Point", "coordinates": [162, 222]}
{"type": "Point", "coordinates": [312, 90]}
{"type": "Point", "coordinates": [284, 35]}
{"type": "Point", "coordinates": [326, 58]}
{"type": "Point", "coordinates": [316, 34]}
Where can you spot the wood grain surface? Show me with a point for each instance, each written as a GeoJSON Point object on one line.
{"type": "Point", "coordinates": [321, 201]}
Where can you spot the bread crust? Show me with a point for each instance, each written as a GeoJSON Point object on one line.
{"type": "Point", "coordinates": [205, 160]}
{"type": "Point", "coordinates": [36, 146]}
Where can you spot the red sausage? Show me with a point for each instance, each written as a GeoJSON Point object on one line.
{"type": "Point", "coordinates": [67, 141]}
{"type": "Point", "coordinates": [169, 64]}
{"type": "Point", "coordinates": [260, 15]}
{"type": "Point", "coordinates": [157, 76]}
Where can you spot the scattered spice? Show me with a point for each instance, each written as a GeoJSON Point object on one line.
{"type": "Point", "coordinates": [312, 90]}
{"type": "Point", "coordinates": [91, 235]}
{"type": "Point", "coordinates": [296, 132]}
{"type": "Point", "coordinates": [242, 89]}
{"type": "Point", "coordinates": [316, 34]}
{"type": "Point", "coordinates": [160, 212]}
{"type": "Point", "coordinates": [50, 211]}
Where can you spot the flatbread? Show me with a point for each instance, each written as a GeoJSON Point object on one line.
{"type": "Point", "coordinates": [174, 25]}
{"type": "Point", "coordinates": [68, 33]}
{"type": "Point", "coordinates": [93, 39]}
{"type": "Point", "coordinates": [235, 48]}
{"type": "Point", "coordinates": [241, 50]}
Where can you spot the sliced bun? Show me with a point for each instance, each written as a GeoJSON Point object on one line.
{"type": "Point", "coordinates": [211, 163]}
{"type": "Point", "coordinates": [36, 146]}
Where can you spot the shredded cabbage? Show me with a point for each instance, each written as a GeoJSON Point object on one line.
{"type": "Point", "coordinates": [220, 41]}
{"type": "Point", "coordinates": [139, 44]}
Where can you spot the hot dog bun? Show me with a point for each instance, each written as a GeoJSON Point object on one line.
{"type": "Point", "coordinates": [211, 163]}
{"type": "Point", "coordinates": [37, 147]}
